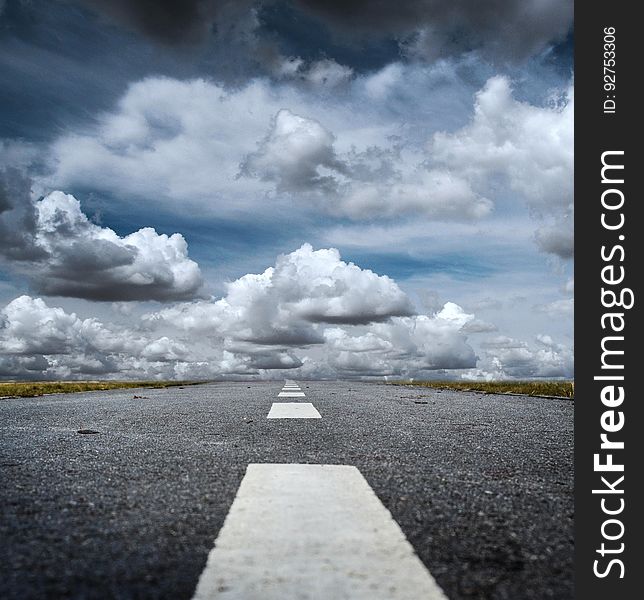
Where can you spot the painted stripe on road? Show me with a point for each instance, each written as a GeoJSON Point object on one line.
{"type": "Point", "coordinates": [316, 532]}
{"type": "Point", "coordinates": [291, 395]}
{"type": "Point", "coordinates": [293, 410]}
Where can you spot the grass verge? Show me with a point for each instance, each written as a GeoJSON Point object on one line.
{"type": "Point", "coordinates": [560, 389]}
{"type": "Point", "coordinates": [26, 389]}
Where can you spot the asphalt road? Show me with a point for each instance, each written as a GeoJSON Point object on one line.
{"type": "Point", "coordinates": [481, 485]}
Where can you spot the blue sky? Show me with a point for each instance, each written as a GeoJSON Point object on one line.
{"type": "Point", "coordinates": [152, 161]}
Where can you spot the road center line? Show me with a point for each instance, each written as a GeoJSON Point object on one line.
{"type": "Point", "coordinates": [293, 410]}
{"type": "Point", "coordinates": [312, 531]}
{"type": "Point", "coordinates": [291, 395]}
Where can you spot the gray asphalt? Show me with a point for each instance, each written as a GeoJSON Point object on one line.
{"type": "Point", "coordinates": [482, 485]}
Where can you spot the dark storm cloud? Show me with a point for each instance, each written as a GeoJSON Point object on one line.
{"type": "Point", "coordinates": [167, 21]}
{"type": "Point", "coordinates": [62, 253]}
{"type": "Point", "coordinates": [17, 218]}
{"type": "Point", "coordinates": [23, 367]}
{"type": "Point", "coordinates": [60, 65]}
{"type": "Point", "coordinates": [511, 29]}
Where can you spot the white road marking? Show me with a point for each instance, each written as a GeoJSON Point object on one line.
{"type": "Point", "coordinates": [291, 395]}
{"type": "Point", "coordinates": [293, 410]}
{"type": "Point", "coordinates": [315, 532]}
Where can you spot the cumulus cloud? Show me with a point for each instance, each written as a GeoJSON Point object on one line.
{"type": "Point", "coordinates": [403, 346]}
{"type": "Point", "coordinates": [43, 342]}
{"type": "Point", "coordinates": [293, 153]}
{"type": "Point", "coordinates": [283, 304]}
{"type": "Point", "coordinates": [311, 311]}
{"type": "Point", "coordinates": [180, 142]}
{"type": "Point", "coordinates": [39, 341]}
{"type": "Point", "coordinates": [299, 156]}
{"type": "Point", "coordinates": [531, 146]}
{"type": "Point", "coordinates": [54, 244]}
{"type": "Point", "coordinates": [509, 358]}
{"type": "Point", "coordinates": [194, 143]}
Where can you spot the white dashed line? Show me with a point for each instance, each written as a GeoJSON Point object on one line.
{"type": "Point", "coordinates": [293, 410]}
{"type": "Point", "coordinates": [315, 532]}
{"type": "Point", "coordinates": [291, 395]}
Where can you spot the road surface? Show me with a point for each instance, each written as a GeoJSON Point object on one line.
{"type": "Point", "coordinates": [480, 486]}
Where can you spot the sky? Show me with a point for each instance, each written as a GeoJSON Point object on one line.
{"type": "Point", "coordinates": [209, 189]}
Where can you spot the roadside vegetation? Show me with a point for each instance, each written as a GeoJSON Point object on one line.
{"type": "Point", "coordinates": [24, 389]}
{"type": "Point", "coordinates": [560, 389]}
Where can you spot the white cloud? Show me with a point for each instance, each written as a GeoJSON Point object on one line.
{"type": "Point", "coordinates": [299, 156]}
{"type": "Point", "coordinates": [285, 302]}
{"type": "Point", "coordinates": [182, 143]}
{"type": "Point", "coordinates": [39, 341]}
{"type": "Point", "coordinates": [529, 145]}
{"type": "Point", "coordinates": [196, 143]}
{"type": "Point", "coordinates": [311, 311]}
{"type": "Point", "coordinates": [509, 358]}
{"type": "Point", "coordinates": [31, 327]}
{"type": "Point", "coordinates": [171, 140]}
{"type": "Point", "coordinates": [63, 253]}
{"type": "Point", "coordinates": [403, 346]}
{"type": "Point", "coordinates": [293, 153]}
